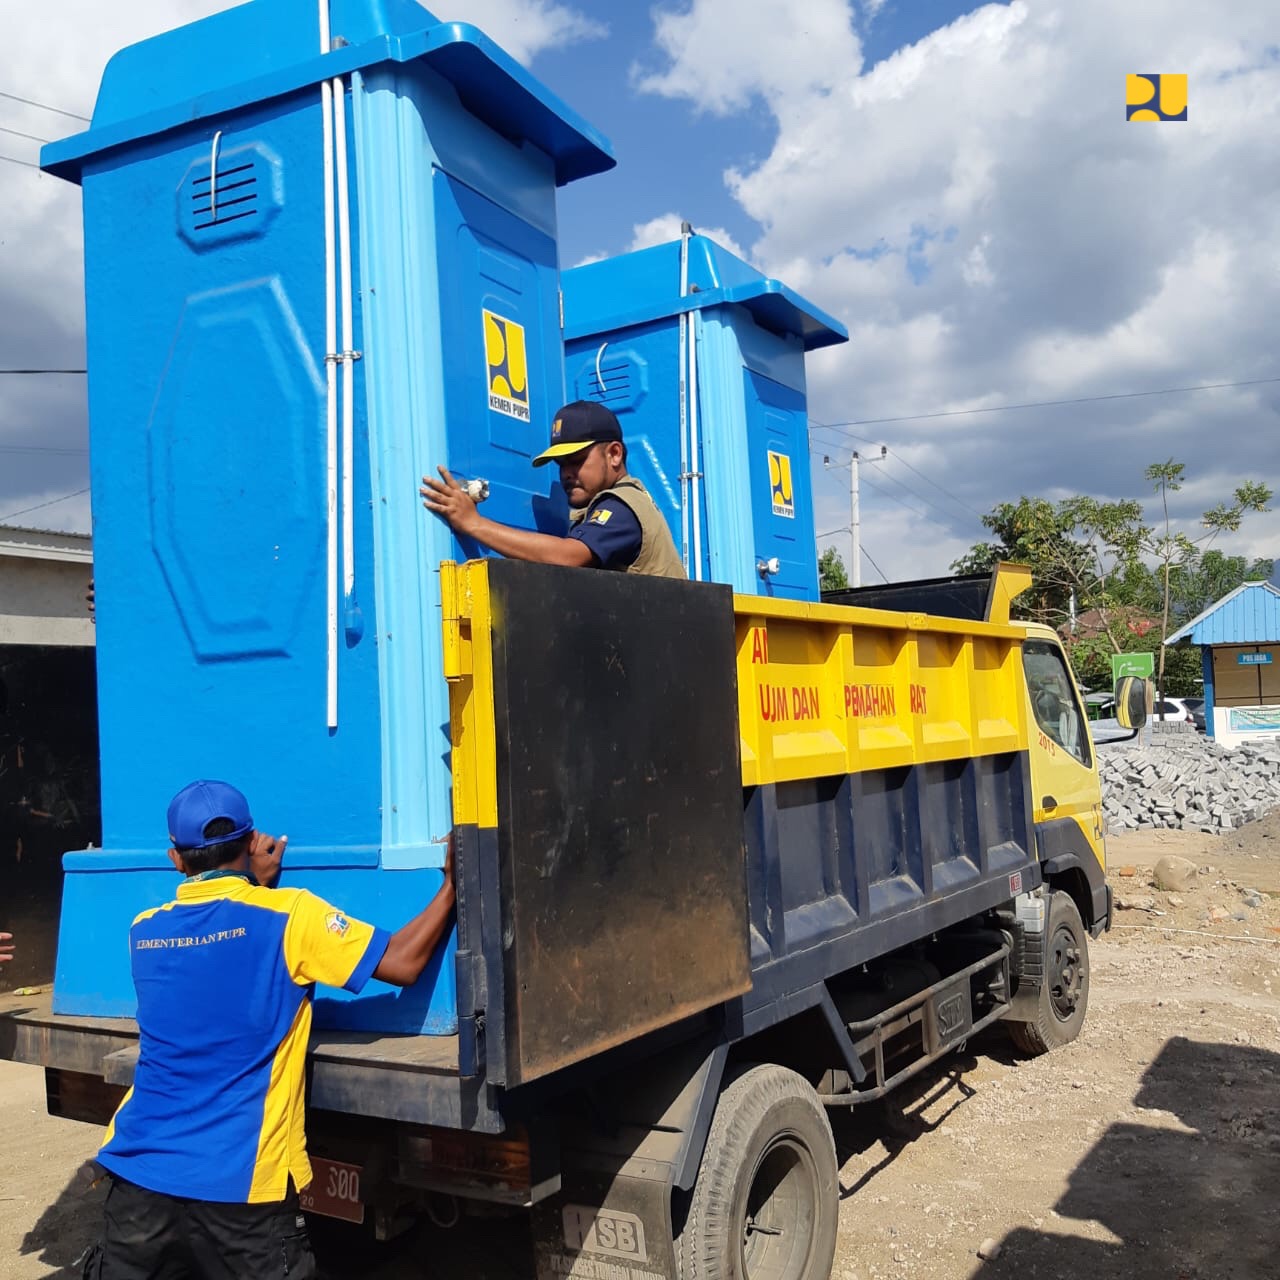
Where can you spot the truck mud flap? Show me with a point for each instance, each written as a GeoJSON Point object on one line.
{"type": "Point", "coordinates": [607, 1225]}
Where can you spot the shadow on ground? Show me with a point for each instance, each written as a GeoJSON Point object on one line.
{"type": "Point", "coordinates": [1187, 1191]}
{"type": "Point", "coordinates": [66, 1229]}
{"type": "Point", "coordinates": [897, 1121]}
{"type": "Point", "coordinates": [496, 1248]}
{"type": "Point", "coordinates": [1190, 1203]}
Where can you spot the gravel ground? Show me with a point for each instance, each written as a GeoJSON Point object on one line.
{"type": "Point", "coordinates": [1148, 1150]}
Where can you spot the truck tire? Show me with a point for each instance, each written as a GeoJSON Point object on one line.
{"type": "Point", "coordinates": [1064, 995]}
{"type": "Point", "coordinates": [765, 1205]}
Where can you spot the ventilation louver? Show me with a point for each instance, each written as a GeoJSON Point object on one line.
{"type": "Point", "coordinates": [236, 197]}
{"type": "Point", "coordinates": [235, 200]}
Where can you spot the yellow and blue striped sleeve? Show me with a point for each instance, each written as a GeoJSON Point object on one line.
{"type": "Point", "coordinates": [323, 944]}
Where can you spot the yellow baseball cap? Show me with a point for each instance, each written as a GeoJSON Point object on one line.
{"type": "Point", "coordinates": [577, 427]}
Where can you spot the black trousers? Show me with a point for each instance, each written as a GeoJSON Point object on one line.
{"type": "Point", "coordinates": [149, 1236]}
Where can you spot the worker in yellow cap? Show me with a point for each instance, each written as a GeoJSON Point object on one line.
{"type": "Point", "coordinates": [614, 523]}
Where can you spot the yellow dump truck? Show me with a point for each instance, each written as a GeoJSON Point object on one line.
{"type": "Point", "coordinates": [725, 864]}
{"type": "Point", "coordinates": [728, 906]}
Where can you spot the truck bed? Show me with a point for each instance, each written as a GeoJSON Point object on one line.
{"type": "Point", "coordinates": [408, 1078]}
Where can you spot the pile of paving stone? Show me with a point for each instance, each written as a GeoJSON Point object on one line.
{"type": "Point", "coordinates": [1188, 781]}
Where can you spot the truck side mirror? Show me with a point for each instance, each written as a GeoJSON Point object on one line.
{"type": "Point", "coordinates": [1133, 702]}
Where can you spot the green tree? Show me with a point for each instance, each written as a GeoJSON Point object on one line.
{"type": "Point", "coordinates": [1087, 555]}
{"type": "Point", "coordinates": [1034, 532]}
{"type": "Point", "coordinates": [1110, 534]}
{"type": "Point", "coordinates": [1204, 578]}
{"type": "Point", "coordinates": [1170, 549]}
{"type": "Point", "coordinates": [1167, 547]}
{"type": "Point", "coordinates": [831, 571]}
{"type": "Point", "coordinates": [1079, 551]}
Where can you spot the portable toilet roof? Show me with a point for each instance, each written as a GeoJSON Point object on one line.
{"type": "Point", "coordinates": [1248, 615]}
{"type": "Point", "coordinates": [269, 48]}
{"type": "Point", "coordinates": [635, 288]}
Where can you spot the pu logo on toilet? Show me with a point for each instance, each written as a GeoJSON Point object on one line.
{"type": "Point", "coordinates": [1155, 97]}
{"type": "Point", "coordinates": [508, 367]}
{"type": "Point", "coordinates": [784, 496]}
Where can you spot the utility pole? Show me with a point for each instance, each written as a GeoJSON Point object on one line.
{"type": "Point", "coordinates": [855, 528]}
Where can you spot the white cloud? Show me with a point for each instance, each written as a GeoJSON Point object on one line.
{"type": "Point", "coordinates": [975, 269]}
{"type": "Point", "coordinates": [524, 28]}
{"type": "Point", "coordinates": [662, 230]}
{"type": "Point", "coordinates": [666, 227]}
{"type": "Point", "coordinates": [721, 53]}
{"type": "Point", "coordinates": [978, 211]}
{"type": "Point", "coordinates": [55, 55]}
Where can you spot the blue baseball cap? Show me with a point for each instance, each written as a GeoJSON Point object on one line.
{"type": "Point", "coordinates": [197, 805]}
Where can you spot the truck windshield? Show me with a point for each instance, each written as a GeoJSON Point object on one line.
{"type": "Point", "coordinates": [1053, 699]}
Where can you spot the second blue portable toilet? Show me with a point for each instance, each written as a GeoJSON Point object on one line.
{"type": "Point", "coordinates": [703, 359]}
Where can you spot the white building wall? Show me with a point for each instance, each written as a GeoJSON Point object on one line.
{"type": "Point", "coordinates": [43, 578]}
{"type": "Point", "coordinates": [1264, 726]}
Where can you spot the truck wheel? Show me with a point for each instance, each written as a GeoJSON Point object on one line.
{"type": "Point", "coordinates": [1064, 997]}
{"type": "Point", "coordinates": [765, 1204]}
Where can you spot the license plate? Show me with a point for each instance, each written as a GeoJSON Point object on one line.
{"type": "Point", "coordinates": [334, 1190]}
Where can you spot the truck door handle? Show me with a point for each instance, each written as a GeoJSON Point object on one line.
{"type": "Point", "coordinates": [1048, 802]}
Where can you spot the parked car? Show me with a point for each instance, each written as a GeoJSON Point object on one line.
{"type": "Point", "coordinates": [1196, 707]}
{"type": "Point", "coordinates": [1170, 710]}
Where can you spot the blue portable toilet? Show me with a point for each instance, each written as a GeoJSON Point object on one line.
{"type": "Point", "coordinates": [320, 258]}
{"type": "Point", "coordinates": [702, 358]}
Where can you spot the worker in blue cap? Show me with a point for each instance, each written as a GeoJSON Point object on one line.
{"type": "Point", "coordinates": [614, 523]}
{"type": "Point", "coordinates": [207, 1151]}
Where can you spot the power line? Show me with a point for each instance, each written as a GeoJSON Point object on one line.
{"type": "Point", "coordinates": [14, 160]}
{"type": "Point", "coordinates": [924, 515]}
{"type": "Point", "coordinates": [873, 564]}
{"type": "Point", "coordinates": [1042, 404]}
{"type": "Point", "coordinates": [893, 497]}
{"type": "Point", "coordinates": [32, 372]}
{"type": "Point", "coordinates": [915, 493]}
{"type": "Point", "coordinates": [935, 484]}
{"type": "Point", "coordinates": [830, 532]}
{"type": "Point", "coordinates": [826, 426]}
{"type": "Point", "coordinates": [17, 133]}
{"type": "Point", "coordinates": [58, 111]}
{"type": "Point", "coordinates": [53, 502]}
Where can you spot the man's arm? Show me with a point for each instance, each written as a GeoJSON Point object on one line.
{"type": "Point", "coordinates": [447, 499]}
{"type": "Point", "coordinates": [412, 945]}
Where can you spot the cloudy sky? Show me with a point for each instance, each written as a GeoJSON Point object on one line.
{"type": "Point", "coordinates": [956, 182]}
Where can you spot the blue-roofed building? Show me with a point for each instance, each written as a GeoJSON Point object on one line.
{"type": "Point", "coordinates": [1240, 649]}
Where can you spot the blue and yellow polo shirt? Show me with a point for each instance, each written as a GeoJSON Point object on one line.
{"type": "Point", "coordinates": [224, 977]}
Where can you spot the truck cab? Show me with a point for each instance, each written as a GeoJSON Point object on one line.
{"type": "Point", "coordinates": [1064, 778]}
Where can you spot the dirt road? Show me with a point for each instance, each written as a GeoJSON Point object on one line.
{"type": "Point", "coordinates": [1148, 1150]}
